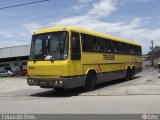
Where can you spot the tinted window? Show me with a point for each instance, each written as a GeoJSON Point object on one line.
{"type": "Point", "coordinates": [128, 49]}
{"type": "Point", "coordinates": [116, 47]}
{"type": "Point", "coordinates": [49, 46]}
{"type": "Point", "coordinates": [75, 46]}
{"type": "Point", "coordinates": [102, 45]}
{"type": "Point", "coordinates": [133, 49]}
{"type": "Point", "coordinates": [112, 46]}
{"type": "Point", "coordinates": [87, 42]}
{"type": "Point", "coordinates": [139, 51]}
{"type": "Point", "coordinates": [121, 48]}
{"type": "Point", "coordinates": [95, 43]}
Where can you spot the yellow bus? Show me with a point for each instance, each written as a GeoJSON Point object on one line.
{"type": "Point", "coordinates": [70, 56]}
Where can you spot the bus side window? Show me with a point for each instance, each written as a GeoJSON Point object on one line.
{"type": "Point", "coordinates": [136, 49]}
{"type": "Point", "coordinates": [112, 46]}
{"type": "Point", "coordinates": [139, 51]}
{"type": "Point", "coordinates": [75, 49]}
{"type": "Point", "coordinates": [107, 45]}
{"type": "Point", "coordinates": [121, 48]}
{"type": "Point", "coordinates": [116, 47]}
{"type": "Point", "coordinates": [102, 45]}
{"type": "Point", "coordinates": [132, 49]}
{"type": "Point", "coordinates": [87, 43]}
{"type": "Point", "coordinates": [95, 44]}
{"type": "Point", "coordinates": [84, 43]}
{"type": "Point", "coordinates": [128, 49]}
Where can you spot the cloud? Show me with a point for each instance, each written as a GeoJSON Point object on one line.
{"type": "Point", "coordinates": [124, 1]}
{"type": "Point", "coordinates": [137, 21]}
{"type": "Point", "coordinates": [82, 4]}
{"type": "Point", "coordinates": [6, 34]}
{"type": "Point", "coordinates": [32, 26]}
{"type": "Point", "coordinates": [145, 0]}
{"type": "Point", "coordinates": [102, 8]}
{"type": "Point", "coordinates": [132, 30]}
{"type": "Point", "coordinates": [99, 8]}
{"type": "Point", "coordinates": [7, 43]}
{"type": "Point", "coordinates": [14, 38]}
{"type": "Point", "coordinates": [84, 1]}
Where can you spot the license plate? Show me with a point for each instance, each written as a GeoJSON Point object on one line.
{"type": "Point", "coordinates": [42, 83]}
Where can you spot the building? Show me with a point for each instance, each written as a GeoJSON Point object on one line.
{"type": "Point", "coordinates": [156, 63]}
{"type": "Point", "coordinates": [14, 58]}
{"type": "Point", "coordinates": [146, 61]}
{"type": "Point", "coordinates": [158, 66]}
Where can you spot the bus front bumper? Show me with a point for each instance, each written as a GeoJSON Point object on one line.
{"type": "Point", "coordinates": [69, 82]}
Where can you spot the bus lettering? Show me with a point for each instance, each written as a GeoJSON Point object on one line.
{"type": "Point", "coordinates": [108, 57]}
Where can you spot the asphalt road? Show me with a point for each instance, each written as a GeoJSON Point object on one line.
{"type": "Point", "coordinates": [140, 95]}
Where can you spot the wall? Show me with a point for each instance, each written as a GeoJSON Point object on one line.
{"type": "Point", "coordinates": [156, 61]}
{"type": "Point", "coordinates": [13, 66]}
{"type": "Point", "coordinates": [147, 63]}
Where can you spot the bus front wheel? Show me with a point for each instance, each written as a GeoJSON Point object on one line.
{"type": "Point", "coordinates": [90, 81]}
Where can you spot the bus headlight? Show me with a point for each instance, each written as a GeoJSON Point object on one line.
{"type": "Point", "coordinates": [60, 82]}
{"type": "Point", "coordinates": [56, 82]}
{"type": "Point", "coordinates": [29, 80]}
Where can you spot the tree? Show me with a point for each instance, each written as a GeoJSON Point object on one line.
{"type": "Point", "coordinates": [156, 52]}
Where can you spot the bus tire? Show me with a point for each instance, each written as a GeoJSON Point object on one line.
{"type": "Point", "coordinates": [43, 87]}
{"type": "Point", "coordinates": [128, 75]}
{"type": "Point", "coordinates": [90, 81]}
{"type": "Point", "coordinates": [132, 73]}
{"type": "Point", "coordinates": [59, 89]}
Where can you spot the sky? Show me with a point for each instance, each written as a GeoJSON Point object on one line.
{"type": "Point", "coordinates": [136, 20]}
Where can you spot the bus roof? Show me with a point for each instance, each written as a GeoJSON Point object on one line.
{"type": "Point", "coordinates": [85, 31]}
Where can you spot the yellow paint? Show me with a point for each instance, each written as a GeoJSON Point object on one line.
{"type": "Point", "coordinates": [55, 69]}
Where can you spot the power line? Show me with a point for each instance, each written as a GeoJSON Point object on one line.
{"type": "Point", "coordinates": [23, 4]}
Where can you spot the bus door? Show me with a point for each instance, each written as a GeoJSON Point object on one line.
{"type": "Point", "coordinates": [76, 54]}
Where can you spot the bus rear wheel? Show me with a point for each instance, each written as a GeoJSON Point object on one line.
{"type": "Point", "coordinates": [129, 74]}
{"type": "Point", "coordinates": [59, 89]}
{"type": "Point", "coordinates": [90, 81]}
{"type": "Point", "coordinates": [132, 73]}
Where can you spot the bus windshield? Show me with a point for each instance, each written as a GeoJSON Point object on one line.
{"type": "Point", "coordinates": [49, 46]}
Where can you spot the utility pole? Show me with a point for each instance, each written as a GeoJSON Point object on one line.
{"type": "Point", "coordinates": [152, 54]}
